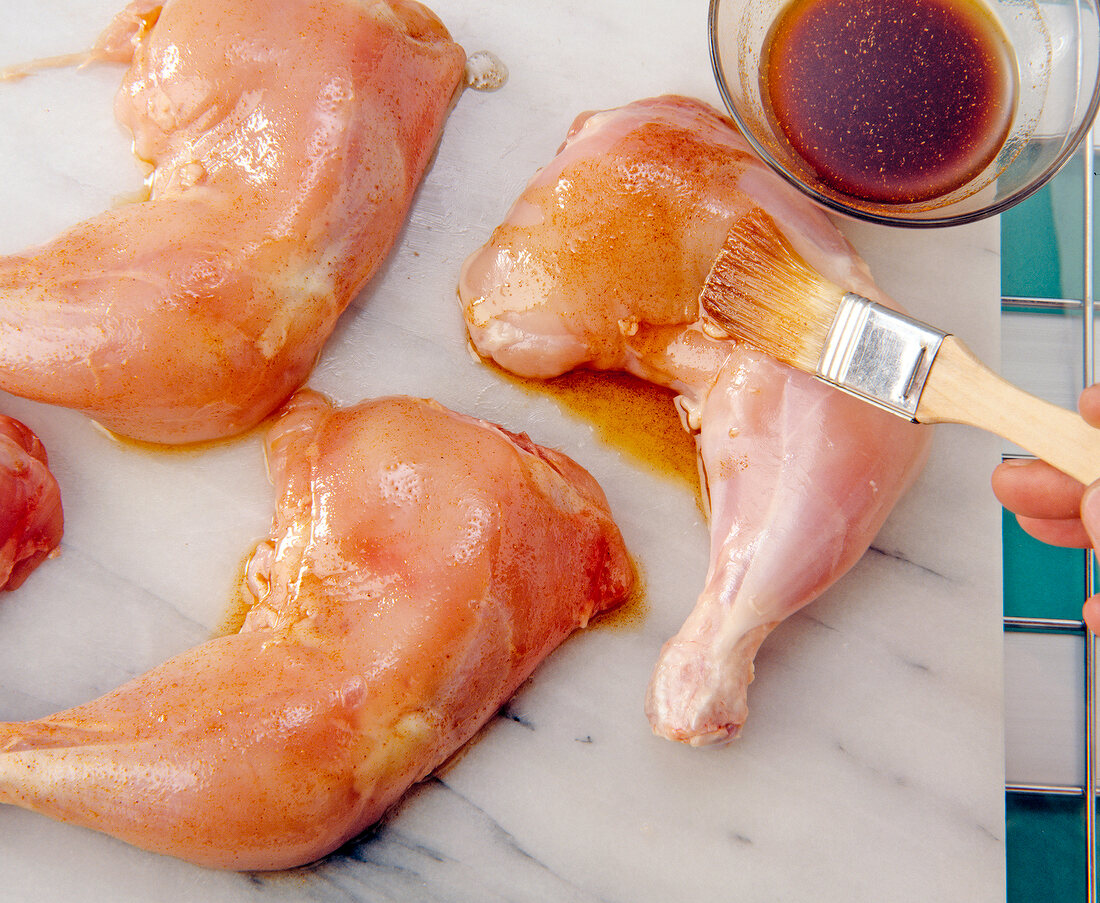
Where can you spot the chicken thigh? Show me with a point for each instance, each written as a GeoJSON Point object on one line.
{"type": "Point", "coordinates": [599, 264]}
{"type": "Point", "coordinates": [285, 141]}
{"type": "Point", "coordinates": [420, 565]}
{"type": "Point", "coordinates": [31, 519]}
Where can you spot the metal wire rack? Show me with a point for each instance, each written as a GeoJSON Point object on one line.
{"type": "Point", "coordinates": [1085, 306]}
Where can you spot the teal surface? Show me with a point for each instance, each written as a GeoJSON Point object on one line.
{"type": "Point", "coordinates": [1042, 240]}
{"type": "Point", "coordinates": [1045, 844]}
{"type": "Point", "coordinates": [1030, 263]}
{"type": "Point", "coordinates": [1040, 581]}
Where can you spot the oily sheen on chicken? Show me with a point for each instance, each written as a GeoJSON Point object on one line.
{"type": "Point", "coordinates": [420, 565]}
{"type": "Point", "coordinates": [31, 518]}
{"type": "Point", "coordinates": [285, 140]}
{"type": "Point", "coordinates": [599, 264]}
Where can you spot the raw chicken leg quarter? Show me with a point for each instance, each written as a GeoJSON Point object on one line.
{"type": "Point", "coordinates": [420, 565]}
{"type": "Point", "coordinates": [599, 264]}
{"type": "Point", "coordinates": [285, 139]}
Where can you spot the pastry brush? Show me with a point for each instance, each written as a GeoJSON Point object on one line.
{"type": "Point", "coordinates": [761, 291]}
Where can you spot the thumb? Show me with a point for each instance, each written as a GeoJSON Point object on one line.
{"type": "Point", "coordinates": [1090, 513]}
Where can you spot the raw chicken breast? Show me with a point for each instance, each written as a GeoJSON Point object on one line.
{"type": "Point", "coordinates": [420, 565]}
{"type": "Point", "coordinates": [31, 519]}
{"type": "Point", "coordinates": [599, 264]}
{"type": "Point", "coordinates": [286, 139]}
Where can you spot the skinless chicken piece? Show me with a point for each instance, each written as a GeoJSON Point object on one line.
{"type": "Point", "coordinates": [599, 264]}
{"type": "Point", "coordinates": [285, 140]}
{"type": "Point", "coordinates": [420, 565]}
{"type": "Point", "coordinates": [31, 519]}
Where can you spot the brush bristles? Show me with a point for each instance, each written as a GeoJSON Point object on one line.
{"type": "Point", "coordinates": [762, 292]}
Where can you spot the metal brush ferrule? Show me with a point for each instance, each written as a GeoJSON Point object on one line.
{"type": "Point", "coordinates": [879, 355]}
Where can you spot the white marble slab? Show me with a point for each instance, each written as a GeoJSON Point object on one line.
{"type": "Point", "coordinates": [872, 764]}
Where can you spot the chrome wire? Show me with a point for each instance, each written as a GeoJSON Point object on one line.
{"type": "Point", "coordinates": [1050, 789]}
{"type": "Point", "coordinates": [1017, 302]}
{"type": "Point", "coordinates": [1044, 625]}
{"type": "Point", "coordinates": [1089, 310]}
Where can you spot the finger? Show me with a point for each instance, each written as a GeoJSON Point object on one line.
{"type": "Point", "coordinates": [1034, 489]}
{"type": "Point", "coordinates": [1067, 532]}
{"type": "Point", "coordinates": [1089, 404]}
{"type": "Point", "coordinates": [1091, 613]}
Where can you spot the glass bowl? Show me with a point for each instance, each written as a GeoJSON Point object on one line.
{"type": "Point", "coordinates": [1056, 46]}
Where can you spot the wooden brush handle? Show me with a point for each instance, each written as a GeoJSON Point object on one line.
{"type": "Point", "coordinates": [961, 389]}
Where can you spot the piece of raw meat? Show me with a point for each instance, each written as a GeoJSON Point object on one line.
{"type": "Point", "coordinates": [599, 264]}
{"type": "Point", "coordinates": [420, 565]}
{"type": "Point", "coordinates": [285, 140]}
{"type": "Point", "coordinates": [31, 518]}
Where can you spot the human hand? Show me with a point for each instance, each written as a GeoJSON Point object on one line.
{"type": "Point", "coordinates": [1053, 507]}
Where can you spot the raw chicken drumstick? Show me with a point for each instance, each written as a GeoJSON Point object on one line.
{"type": "Point", "coordinates": [420, 565]}
{"type": "Point", "coordinates": [31, 519]}
{"type": "Point", "coordinates": [286, 139]}
{"type": "Point", "coordinates": [599, 264]}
